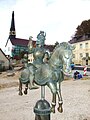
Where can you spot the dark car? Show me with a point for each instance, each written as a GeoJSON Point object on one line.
{"type": "Point", "coordinates": [72, 66]}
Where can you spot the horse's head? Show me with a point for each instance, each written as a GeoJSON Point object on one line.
{"type": "Point", "coordinates": [66, 57]}
{"type": "Point", "coordinates": [61, 57]}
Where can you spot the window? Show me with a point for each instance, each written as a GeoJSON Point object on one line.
{"type": "Point", "coordinates": [81, 45]}
{"type": "Point", "coordinates": [73, 55]}
{"type": "Point", "coordinates": [81, 55]}
{"type": "Point", "coordinates": [86, 45]}
{"type": "Point", "coordinates": [87, 54]}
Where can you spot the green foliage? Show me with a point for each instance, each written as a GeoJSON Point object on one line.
{"type": "Point", "coordinates": [84, 28]}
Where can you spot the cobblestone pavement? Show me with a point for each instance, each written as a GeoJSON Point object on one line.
{"type": "Point", "coordinates": [76, 102]}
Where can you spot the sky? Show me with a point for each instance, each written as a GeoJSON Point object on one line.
{"type": "Point", "coordinates": [58, 18]}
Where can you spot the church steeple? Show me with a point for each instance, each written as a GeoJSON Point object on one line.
{"type": "Point", "coordinates": [12, 33]}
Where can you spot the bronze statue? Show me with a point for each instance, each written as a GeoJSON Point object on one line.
{"type": "Point", "coordinates": [40, 55]}
{"type": "Point", "coordinates": [50, 73]}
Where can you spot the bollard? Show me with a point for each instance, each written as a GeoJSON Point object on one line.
{"type": "Point", "coordinates": [42, 108]}
{"type": "Point", "coordinates": [85, 71]}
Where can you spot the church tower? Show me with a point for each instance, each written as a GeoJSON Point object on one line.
{"type": "Point", "coordinates": [12, 33]}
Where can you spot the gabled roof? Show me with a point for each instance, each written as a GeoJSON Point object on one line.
{"type": "Point", "coordinates": [24, 42]}
{"type": "Point", "coordinates": [3, 53]}
{"type": "Point", "coordinates": [19, 41]}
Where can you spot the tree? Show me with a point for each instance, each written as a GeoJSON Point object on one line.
{"type": "Point", "coordinates": [84, 28]}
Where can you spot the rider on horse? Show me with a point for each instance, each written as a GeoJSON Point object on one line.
{"type": "Point", "coordinates": [39, 53]}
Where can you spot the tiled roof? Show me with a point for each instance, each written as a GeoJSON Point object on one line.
{"type": "Point", "coordinates": [80, 38]}
{"type": "Point", "coordinates": [24, 42]}
{"type": "Point", "coordinates": [20, 42]}
{"type": "Point", "coordinates": [49, 47]}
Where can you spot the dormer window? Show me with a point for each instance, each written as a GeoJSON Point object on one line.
{"type": "Point", "coordinates": [86, 45]}
{"type": "Point", "coordinates": [81, 55]}
{"type": "Point", "coordinates": [81, 46]}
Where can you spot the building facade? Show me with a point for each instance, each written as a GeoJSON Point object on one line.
{"type": "Point", "coordinates": [81, 53]}
{"type": "Point", "coordinates": [4, 61]}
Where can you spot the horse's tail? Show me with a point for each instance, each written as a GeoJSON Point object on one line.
{"type": "Point", "coordinates": [25, 74]}
{"type": "Point", "coordinates": [24, 77]}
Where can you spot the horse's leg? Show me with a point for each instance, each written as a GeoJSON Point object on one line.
{"type": "Point", "coordinates": [20, 88]}
{"type": "Point", "coordinates": [52, 87]}
{"type": "Point", "coordinates": [53, 102]}
{"type": "Point", "coordinates": [60, 101]}
{"type": "Point", "coordinates": [31, 82]}
{"type": "Point", "coordinates": [26, 88]}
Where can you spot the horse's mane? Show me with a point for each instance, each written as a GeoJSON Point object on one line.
{"type": "Point", "coordinates": [64, 45]}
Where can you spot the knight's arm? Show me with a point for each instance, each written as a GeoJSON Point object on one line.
{"type": "Point", "coordinates": [30, 47]}
{"type": "Point", "coordinates": [45, 34]}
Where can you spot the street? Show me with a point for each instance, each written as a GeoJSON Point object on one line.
{"type": "Point", "coordinates": [76, 102]}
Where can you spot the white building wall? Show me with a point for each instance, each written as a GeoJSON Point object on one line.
{"type": "Point", "coordinates": [8, 49]}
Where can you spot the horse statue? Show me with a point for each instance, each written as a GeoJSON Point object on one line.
{"type": "Point", "coordinates": [51, 73]}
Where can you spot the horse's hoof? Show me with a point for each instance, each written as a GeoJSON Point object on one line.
{"type": "Point", "coordinates": [53, 109]}
{"type": "Point", "coordinates": [20, 93]}
{"type": "Point", "coordinates": [60, 109]}
{"type": "Point", "coordinates": [25, 92]}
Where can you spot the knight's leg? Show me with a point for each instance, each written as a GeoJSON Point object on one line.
{"type": "Point", "coordinates": [60, 101]}
{"type": "Point", "coordinates": [32, 84]}
{"type": "Point", "coordinates": [26, 88]}
{"type": "Point", "coordinates": [20, 88]}
{"type": "Point", "coordinates": [52, 87]}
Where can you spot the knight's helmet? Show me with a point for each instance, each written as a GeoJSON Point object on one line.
{"type": "Point", "coordinates": [41, 38]}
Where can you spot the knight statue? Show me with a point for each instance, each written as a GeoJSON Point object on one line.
{"type": "Point", "coordinates": [40, 54]}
